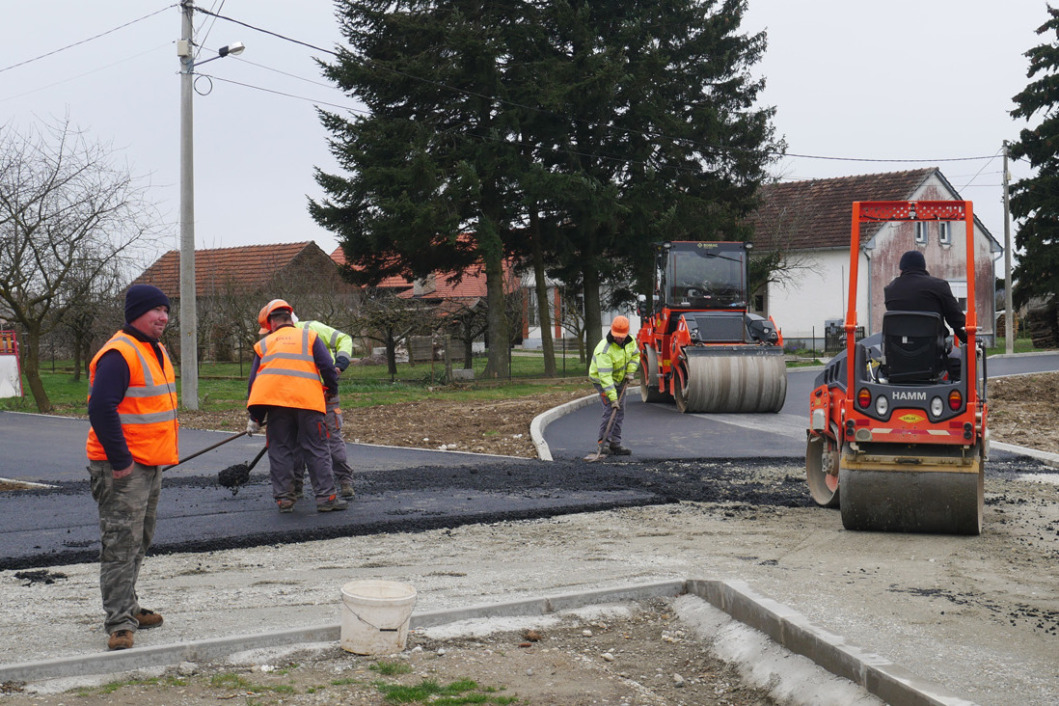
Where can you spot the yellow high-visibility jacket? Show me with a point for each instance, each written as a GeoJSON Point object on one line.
{"type": "Point", "coordinates": [611, 363]}
{"type": "Point", "coordinates": [339, 344]}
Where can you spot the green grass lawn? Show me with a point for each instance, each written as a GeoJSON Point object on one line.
{"type": "Point", "coordinates": [222, 386]}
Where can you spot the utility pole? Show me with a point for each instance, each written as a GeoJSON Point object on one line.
{"type": "Point", "coordinates": [189, 349]}
{"type": "Point", "coordinates": [1009, 314]}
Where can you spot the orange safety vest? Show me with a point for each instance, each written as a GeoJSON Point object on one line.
{"type": "Point", "coordinates": [287, 375]}
{"type": "Point", "coordinates": [148, 412]}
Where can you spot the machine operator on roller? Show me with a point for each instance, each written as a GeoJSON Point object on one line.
{"type": "Point", "coordinates": [915, 290]}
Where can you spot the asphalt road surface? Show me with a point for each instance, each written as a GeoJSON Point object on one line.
{"type": "Point", "coordinates": [658, 431]}
{"type": "Point", "coordinates": [406, 489]}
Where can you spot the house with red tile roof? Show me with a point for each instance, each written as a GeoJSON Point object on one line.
{"type": "Point", "coordinates": [811, 222]}
{"type": "Point", "coordinates": [449, 292]}
{"type": "Point", "coordinates": [231, 285]}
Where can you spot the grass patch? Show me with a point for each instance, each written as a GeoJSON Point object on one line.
{"type": "Point", "coordinates": [462, 692]}
{"type": "Point", "coordinates": [391, 668]}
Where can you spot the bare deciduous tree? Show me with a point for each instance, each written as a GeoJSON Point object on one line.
{"type": "Point", "coordinates": [68, 216]}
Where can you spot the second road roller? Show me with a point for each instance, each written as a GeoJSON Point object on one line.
{"type": "Point", "coordinates": [700, 345]}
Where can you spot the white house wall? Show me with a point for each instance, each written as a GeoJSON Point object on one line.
{"type": "Point", "coordinates": [816, 293]}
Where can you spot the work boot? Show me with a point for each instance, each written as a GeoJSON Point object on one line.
{"type": "Point", "coordinates": [120, 640]}
{"type": "Point", "coordinates": [618, 450]}
{"type": "Point", "coordinates": [332, 503]}
{"type": "Point", "coordinates": [299, 484]}
{"type": "Point", "coordinates": [285, 505]}
{"type": "Point", "coordinates": [346, 491]}
{"type": "Point", "coordinates": [148, 619]}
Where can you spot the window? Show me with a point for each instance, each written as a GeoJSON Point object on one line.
{"type": "Point", "coordinates": [532, 314]}
{"type": "Point", "coordinates": [959, 290]}
{"type": "Point", "coordinates": [921, 232]}
{"type": "Point", "coordinates": [945, 233]}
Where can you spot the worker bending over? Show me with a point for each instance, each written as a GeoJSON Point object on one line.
{"type": "Point", "coordinates": [285, 390]}
{"type": "Point", "coordinates": [613, 367]}
{"type": "Point", "coordinates": [340, 346]}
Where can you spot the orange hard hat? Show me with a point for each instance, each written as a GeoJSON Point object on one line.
{"type": "Point", "coordinates": [269, 309]}
{"type": "Point", "coordinates": [262, 320]}
{"type": "Point", "coordinates": [619, 328]}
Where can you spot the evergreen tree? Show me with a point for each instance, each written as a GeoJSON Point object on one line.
{"type": "Point", "coordinates": [650, 133]}
{"type": "Point", "coordinates": [1035, 200]}
{"type": "Point", "coordinates": [425, 188]}
{"type": "Point", "coordinates": [571, 134]}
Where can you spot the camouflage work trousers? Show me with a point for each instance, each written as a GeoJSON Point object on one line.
{"type": "Point", "coordinates": [128, 510]}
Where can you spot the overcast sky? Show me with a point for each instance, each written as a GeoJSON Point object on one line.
{"type": "Point", "coordinates": [927, 81]}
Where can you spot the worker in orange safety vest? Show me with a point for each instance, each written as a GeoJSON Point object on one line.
{"type": "Point", "coordinates": [132, 405]}
{"type": "Point", "coordinates": [285, 390]}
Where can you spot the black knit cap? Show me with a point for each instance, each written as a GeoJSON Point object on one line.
{"type": "Point", "coordinates": [141, 298]}
{"type": "Point", "coordinates": [912, 260]}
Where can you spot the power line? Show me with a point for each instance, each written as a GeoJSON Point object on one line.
{"type": "Point", "coordinates": [86, 73]}
{"type": "Point", "coordinates": [281, 93]}
{"type": "Point", "coordinates": [84, 41]}
{"type": "Point", "coordinates": [546, 112]}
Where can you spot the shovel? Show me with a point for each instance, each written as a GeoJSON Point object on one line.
{"type": "Point", "coordinates": [610, 423]}
{"type": "Point", "coordinates": [208, 448]}
{"type": "Point", "coordinates": [234, 477]}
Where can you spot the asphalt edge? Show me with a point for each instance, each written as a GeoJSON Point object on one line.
{"type": "Point", "coordinates": [783, 625]}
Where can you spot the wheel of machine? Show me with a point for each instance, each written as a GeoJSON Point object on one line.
{"type": "Point", "coordinates": [649, 391]}
{"type": "Point", "coordinates": [680, 387]}
{"type": "Point", "coordinates": [822, 456]}
{"type": "Point", "coordinates": [889, 500]}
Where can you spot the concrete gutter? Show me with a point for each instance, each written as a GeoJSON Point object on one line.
{"type": "Point", "coordinates": [784, 626]}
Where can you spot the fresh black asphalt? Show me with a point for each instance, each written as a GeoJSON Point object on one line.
{"type": "Point", "coordinates": [676, 457]}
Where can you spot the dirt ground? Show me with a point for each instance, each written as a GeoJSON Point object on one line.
{"type": "Point", "coordinates": [979, 616]}
{"type": "Point", "coordinates": [644, 655]}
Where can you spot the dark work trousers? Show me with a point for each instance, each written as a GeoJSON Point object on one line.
{"type": "Point", "coordinates": [336, 444]}
{"type": "Point", "coordinates": [128, 510]}
{"type": "Point", "coordinates": [291, 431]}
{"type": "Point", "coordinates": [615, 430]}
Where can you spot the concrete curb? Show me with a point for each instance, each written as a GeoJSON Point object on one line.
{"type": "Point", "coordinates": [1045, 456]}
{"type": "Point", "coordinates": [890, 682]}
{"type": "Point", "coordinates": [788, 628]}
{"type": "Point", "coordinates": [542, 420]}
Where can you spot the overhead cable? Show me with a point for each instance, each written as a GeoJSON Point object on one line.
{"type": "Point", "coordinates": [84, 41]}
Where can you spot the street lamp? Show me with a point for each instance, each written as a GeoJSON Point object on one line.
{"type": "Point", "coordinates": [189, 350]}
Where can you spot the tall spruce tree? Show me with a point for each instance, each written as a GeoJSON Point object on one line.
{"type": "Point", "coordinates": [653, 133]}
{"type": "Point", "coordinates": [1035, 200]}
{"type": "Point", "coordinates": [574, 133]}
{"type": "Point", "coordinates": [426, 185]}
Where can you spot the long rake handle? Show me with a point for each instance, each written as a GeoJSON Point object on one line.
{"type": "Point", "coordinates": [614, 413]}
{"type": "Point", "coordinates": [208, 448]}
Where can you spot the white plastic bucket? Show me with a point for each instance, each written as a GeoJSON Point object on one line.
{"type": "Point", "coordinates": [375, 616]}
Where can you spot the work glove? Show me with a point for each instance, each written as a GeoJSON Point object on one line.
{"type": "Point", "coordinates": [252, 427]}
{"type": "Point", "coordinates": [629, 378]}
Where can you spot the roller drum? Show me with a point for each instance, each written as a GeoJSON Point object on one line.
{"type": "Point", "coordinates": [885, 500]}
{"type": "Point", "coordinates": [735, 383]}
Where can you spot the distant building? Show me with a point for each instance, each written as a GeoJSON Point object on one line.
{"type": "Point", "coordinates": [811, 222]}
